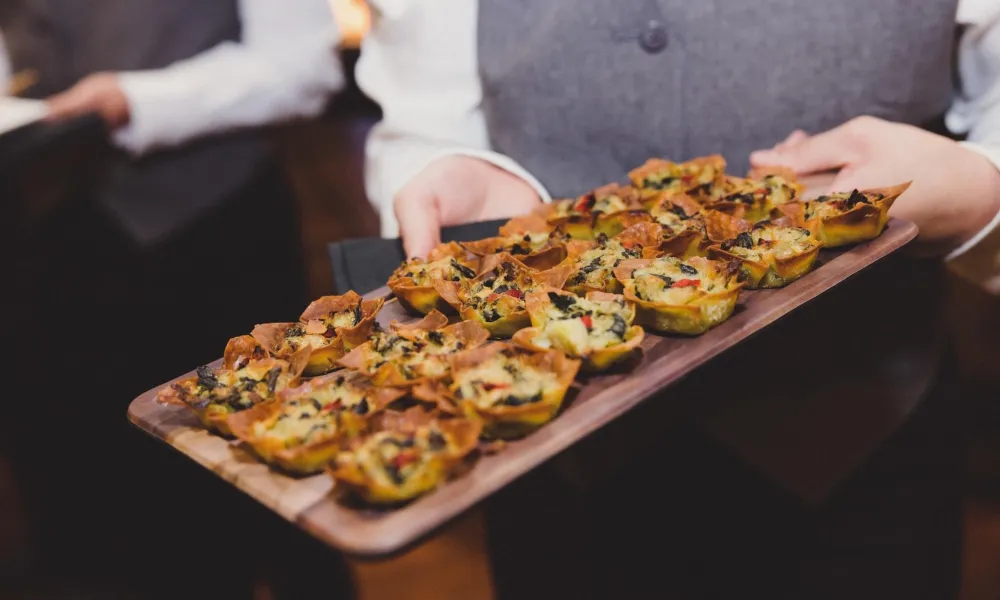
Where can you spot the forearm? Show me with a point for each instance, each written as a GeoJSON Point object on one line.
{"type": "Point", "coordinates": [284, 67]}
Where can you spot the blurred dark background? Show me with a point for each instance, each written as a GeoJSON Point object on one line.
{"type": "Point", "coordinates": [124, 517]}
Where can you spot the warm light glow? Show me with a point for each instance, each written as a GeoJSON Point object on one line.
{"type": "Point", "coordinates": [353, 19]}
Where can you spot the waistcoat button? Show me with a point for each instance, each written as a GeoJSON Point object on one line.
{"type": "Point", "coordinates": [653, 38]}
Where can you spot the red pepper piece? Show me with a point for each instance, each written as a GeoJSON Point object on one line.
{"type": "Point", "coordinates": [686, 283]}
{"type": "Point", "coordinates": [492, 298]}
{"type": "Point", "coordinates": [494, 386]}
{"type": "Point", "coordinates": [404, 458]}
{"type": "Point", "coordinates": [332, 406]}
{"type": "Point", "coordinates": [587, 321]}
{"type": "Point", "coordinates": [516, 293]}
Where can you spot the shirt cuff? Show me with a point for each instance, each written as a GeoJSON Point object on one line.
{"type": "Point", "coordinates": [978, 259]}
{"type": "Point", "coordinates": [150, 119]}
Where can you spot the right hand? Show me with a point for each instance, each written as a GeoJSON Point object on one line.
{"type": "Point", "coordinates": [454, 190]}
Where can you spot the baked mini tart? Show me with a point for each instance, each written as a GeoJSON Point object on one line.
{"type": "Point", "coordinates": [412, 455]}
{"type": "Point", "coordinates": [607, 211]}
{"type": "Point", "coordinates": [753, 199]}
{"type": "Point", "coordinates": [247, 378]}
{"type": "Point", "coordinates": [530, 239]}
{"type": "Point", "coordinates": [597, 329]}
{"type": "Point", "coordinates": [405, 355]}
{"type": "Point", "coordinates": [686, 296]}
{"type": "Point", "coordinates": [415, 281]}
{"type": "Point", "coordinates": [495, 299]}
{"type": "Point", "coordinates": [845, 218]}
{"type": "Point", "coordinates": [683, 226]}
{"type": "Point", "coordinates": [771, 255]}
{"type": "Point", "coordinates": [593, 263]}
{"type": "Point", "coordinates": [512, 391]}
{"type": "Point", "coordinates": [305, 428]}
{"type": "Point", "coordinates": [330, 327]}
{"type": "Point", "coordinates": [697, 176]}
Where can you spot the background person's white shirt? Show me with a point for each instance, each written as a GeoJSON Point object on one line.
{"type": "Point", "coordinates": [419, 63]}
{"type": "Point", "coordinates": [285, 67]}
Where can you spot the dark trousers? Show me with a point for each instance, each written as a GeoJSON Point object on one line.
{"type": "Point", "coordinates": [97, 321]}
{"type": "Point", "coordinates": [685, 518]}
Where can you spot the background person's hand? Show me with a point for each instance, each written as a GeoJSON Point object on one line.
{"type": "Point", "coordinates": [98, 93]}
{"type": "Point", "coordinates": [955, 191]}
{"type": "Point", "coordinates": [454, 190]}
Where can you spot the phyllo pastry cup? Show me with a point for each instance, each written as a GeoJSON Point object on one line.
{"type": "Point", "coordinates": [405, 355]}
{"type": "Point", "coordinates": [495, 299]}
{"type": "Point", "coordinates": [415, 282]}
{"type": "Point", "coordinates": [605, 211]}
{"type": "Point", "coordinates": [597, 329]}
{"type": "Point", "coordinates": [687, 296]}
{"type": "Point", "coordinates": [530, 239]}
{"type": "Point", "coordinates": [697, 177]}
{"type": "Point", "coordinates": [510, 390]}
{"type": "Point", "coordinates": [753, 199]}
{"type": "Point", "coordinates": [771, 255]}
{"type": "Point", "coordinates": [414, 453]}
{"type": "Point", "coordinates": [246, 379]}
{"type": "Point", "coordinates": [330, 327]}
{"type": "Point", "coordinates": [683, 224]}
{"type": "Point", "coordinates": [592, 263]}
{"type": "Point", "coordinates": [848, 217]}
{"type": "Point", "coordinates": [304, 429]}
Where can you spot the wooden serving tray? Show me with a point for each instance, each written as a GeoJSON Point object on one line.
{"type": "Point", "coordinates": [307, 502]}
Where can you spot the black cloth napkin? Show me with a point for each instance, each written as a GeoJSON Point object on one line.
{"type": "Point", "coordinates": [365, 264]}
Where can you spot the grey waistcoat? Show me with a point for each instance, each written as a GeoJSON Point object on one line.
{"type": "Point", "coordinates": [581, 91]}
{"type": "Point", "coordinates": [65, 40]}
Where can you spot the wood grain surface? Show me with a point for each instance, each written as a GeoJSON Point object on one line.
{"type": "Point", "coordinates": [595, 401]}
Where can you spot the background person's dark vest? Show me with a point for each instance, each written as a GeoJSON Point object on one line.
{"type": "Point", "coordinates": [65, 40]}
{"type": "Point", "coordinates": [581, 92]}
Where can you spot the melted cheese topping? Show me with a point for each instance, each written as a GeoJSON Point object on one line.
{"type": "Point", "coordinates": [497, 297]}
{"type": "Point", "coordinates": [670, 280]}
{"type": "Point", "coordinates": [674, 224]}
{"type": "Point", "coordinates": [314, 417]}
{"type": "Point", "coordinates": [297, 336]}
{"type": "Point", "coordinates": [595, 267]}
{"type": "Point", "coordinates": [503, 381]}
{"type": "Point", "coordinates": [423, 273]}
{"type": "Point", "coordinates": [773, 242]}
{"type": "Point", "coordinates": [417, 355]}
{"type": "Point", "coordinates": [526, 243]}
{"type": "Point", "coordinates": [391, 458]}
{"type": "Point", "coordinates": [680, 177]}
{"type": "Point", "coordinates": [578, 326]}
{"type": "Point", "coordinates": [833, 205]}
{"type": "Point", "coordinates": [234, 390]}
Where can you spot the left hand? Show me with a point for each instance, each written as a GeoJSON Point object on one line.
{"type": "Point", "coordinates": [955, 191]}
{"type": "Point", "coordinates": [98, 93]}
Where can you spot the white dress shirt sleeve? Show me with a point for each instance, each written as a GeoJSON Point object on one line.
{"type": "Point", "coordinates": [976, 112]}
{"type": "Point", "coordinates": [284, 67]}
{"type": "Point", "coordinates": [419, 63]}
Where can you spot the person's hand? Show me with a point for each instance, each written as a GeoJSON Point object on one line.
{"type": "Point", "coordinates": [955, 191]}
{"type": "Point", "coordinates": [98, 93]}
{"type": "Point", "coordinates": [454, 190]}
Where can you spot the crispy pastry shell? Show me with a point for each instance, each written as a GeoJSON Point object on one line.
{"type": "Point", "coordinates": [425, 298]}
{"type": "Point", "coordinates": [773, 273]}
{"type": "Point", "coordinates": [306, 459]}
{"type": "Point", "coordinates": [456, 293]}
{"type": "Point", "coordinates": [693, 318]}
{"type": "Point", "coordinates": [507, 422]}
{"type": "Point", "coordinates": [462, 436]}
{"type": "Point", "coordinates": [596, 359]}
{"type": "Point", "coordinates": [215, 417]}
{"type": "Point", "coordinates": [862, 223]}
{"type": "Point", "coordinates": [469, 333]}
